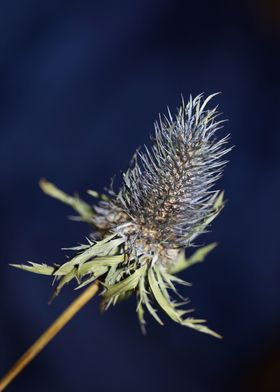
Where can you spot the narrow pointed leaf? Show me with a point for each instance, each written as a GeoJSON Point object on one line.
{"type": "Point", "coordinates": [36, 268]}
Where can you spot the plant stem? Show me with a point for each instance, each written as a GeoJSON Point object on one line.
{"type": "Point", "coordinates": [48, 335]}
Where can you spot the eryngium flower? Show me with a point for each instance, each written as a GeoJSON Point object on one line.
{"type": "Point", "coordinates": [140, 233]}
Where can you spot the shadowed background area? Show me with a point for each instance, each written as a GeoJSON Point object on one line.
{"type": "Point", "coordinates": [81, 85]}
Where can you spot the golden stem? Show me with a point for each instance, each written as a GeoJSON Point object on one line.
{"type": "Point", "coordinates": [48, 335]}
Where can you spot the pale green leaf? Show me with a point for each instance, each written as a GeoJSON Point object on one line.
{"type": "Point", "coordinates": [140, 313]}
{"type": "Point", "coordinates": [99, 262]}
{"type": "Point", "coordinates": [161, 299]}
{"type": "Point", "coordinates": [126, 284]}
{"type": "Point", "coordinates": [191, 323]}
{"type": "Point", "coordinates": [36, 268]}
{"type": "Point", "coordinates": [63, 281]}
{"type": "Point", "coordinates": [197, 257]}
{"type": "Point", "coordinates": [144, 298]}
{"type": "Point", "coordinates": [84, 210]}
{"type": "Point", "coordinates": [100, 248]}
{"type": "Point", "coordinates": [217, 199]}
{"type": "Point", "coordinates": [152, 311]}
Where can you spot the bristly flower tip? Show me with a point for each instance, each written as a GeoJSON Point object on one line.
{"type": "Point", "coordinates": [166, 200]}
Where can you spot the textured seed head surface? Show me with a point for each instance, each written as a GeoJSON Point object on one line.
{"type": "Point", "coordinates": [167, 193]}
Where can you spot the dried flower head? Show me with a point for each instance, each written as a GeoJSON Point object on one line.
{"type": "Point", "coordinates": [139, 234]}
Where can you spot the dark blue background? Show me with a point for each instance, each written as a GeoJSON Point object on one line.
{"type": "Point", "coordinates": [81, 85]}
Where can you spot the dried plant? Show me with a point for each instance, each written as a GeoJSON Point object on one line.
{"type": "Point", "coordinates": [139, 234]}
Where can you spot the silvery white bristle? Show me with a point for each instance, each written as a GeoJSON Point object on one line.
{"type": "Point", "coordinates": [168, 193]}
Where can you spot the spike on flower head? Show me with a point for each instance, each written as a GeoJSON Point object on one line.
{"type": "Point", "coordinates": [140, 233]}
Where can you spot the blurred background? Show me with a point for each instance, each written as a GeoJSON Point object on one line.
{"type": "Point", "coordinates": [81, 86]}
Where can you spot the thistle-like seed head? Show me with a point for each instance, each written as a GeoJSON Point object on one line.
{"type": "Point", "coordinates": [140, 233]}
{"type": "Point", "coordinates": [168, 193]}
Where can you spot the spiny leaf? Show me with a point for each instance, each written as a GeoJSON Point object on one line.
{"type": "Point", "coordinates": [126, 284]}
{"type": "Point", "coordinates": [150, 308]}
{"type": "Point", "coordinates": [191, 323]}
{"type": "Point", "coordinates": [161, 299]}
{"type": "Point", "coordinates": [97, 262]}
{"type": "Point", "coordinates": [197, 257]}
{"type": "Point", "coordinates": [36, 268]}
{"type": "Point", "coordinates": [84, 210]}
{"type": "Point", "coordinates": [145, 300]}
{"type": "Point", "coordinates": [218, 206]}
{"type": "Point", "coordinates": [100, 248]}
{"type": "Point", "coordinates": [95, 274]}
{"type": "Point", "coordinates": [140, 313]}
{"type": "Point", "coordinates": [63, 281]}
